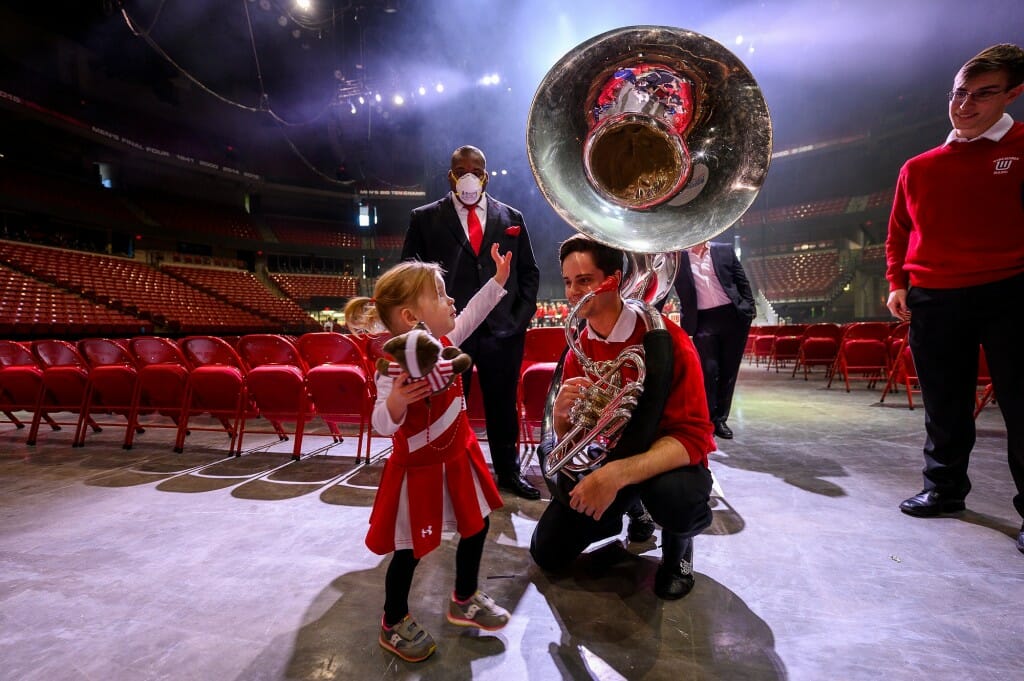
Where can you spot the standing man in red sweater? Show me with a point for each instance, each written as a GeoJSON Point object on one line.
{"type": "Point", "coordinates": [955, 255]}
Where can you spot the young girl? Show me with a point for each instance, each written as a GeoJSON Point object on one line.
{"type": "Point", "coordinates": [436, 478]}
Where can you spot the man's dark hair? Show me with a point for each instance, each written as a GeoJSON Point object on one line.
{"type": "Point", "coordinates": [606, 258]}
{"type": "Point", "coordinates": [1002, 57]}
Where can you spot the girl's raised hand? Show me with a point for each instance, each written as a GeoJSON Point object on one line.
{"type": "Point", "coordinates": [503, 263]}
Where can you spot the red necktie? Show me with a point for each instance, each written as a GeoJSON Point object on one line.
{"type": "Point", "coordinates": [476, 232]}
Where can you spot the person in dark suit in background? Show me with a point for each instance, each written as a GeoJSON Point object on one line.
{"type": "Point", "coordinates": [716, 308]}
{"type": "Point", "coordinates": [457, 231]}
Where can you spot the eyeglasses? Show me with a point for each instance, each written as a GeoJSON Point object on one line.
{"type": "Point", "coordinates": [960, 96]}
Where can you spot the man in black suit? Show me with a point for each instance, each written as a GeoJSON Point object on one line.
{"type": "Point", "coordinates": [457, 232]}
{"type": "Point", "coordinates": [716, 308]}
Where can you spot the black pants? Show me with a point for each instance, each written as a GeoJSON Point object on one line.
{"type": "Point", "coordinates": [676, 499]}
{"type": "Point", "coordinates": [497, 363]}
{"type": "Point", "coordinates": [946, 328]}
{"type": "Point", "coordinates": [720, 338]}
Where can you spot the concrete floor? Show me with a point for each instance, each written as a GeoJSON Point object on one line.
{"type": "Point", "coordinates": [144, 564]}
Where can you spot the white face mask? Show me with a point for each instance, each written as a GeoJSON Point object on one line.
{"type": "Point", "coordinates": [469, 188]}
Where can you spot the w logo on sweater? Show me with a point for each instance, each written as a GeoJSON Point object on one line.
{"type": "Point", "coordinates": [1002, 165]}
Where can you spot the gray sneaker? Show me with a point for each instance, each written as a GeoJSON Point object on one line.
{"type": "Point", "coordinates": [408, 640]}
{"type": "Point", "coordinates": [479, 611]}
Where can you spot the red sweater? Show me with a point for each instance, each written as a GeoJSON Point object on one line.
{"type": "Point", "coordinates": [686, 411]}
{"type": "Point", "coordinates": [958, 216]}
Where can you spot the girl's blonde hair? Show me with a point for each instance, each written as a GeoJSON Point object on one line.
{"type": "Point", "coordinates": [399, 287]}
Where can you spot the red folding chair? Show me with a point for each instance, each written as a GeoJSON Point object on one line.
{"type": "Point", "coordinates": [764, 341]}
{"type": "Point", "coordinates": [21, 380]}
{"type": "Point", "coordinates": [64, 380]}
{"type": "Point", "coordinates": [113, 380]}
{"type": "Point", "coordinates": [542, 349]}
{"type": "Point", "coordinates": [337, 383]}
{"type": "Point", "coordinates": [163, 382]}
{"type": "Point", "coordinates": [819, 347]}
{"type": "Point", "coordinates": [276, 381]}
{"type": "Point", "coordinates": [986, 392]}
{"type": "Point", "coordinates": [216, 386]}
{"type": "Point", "coordinates": [863, 353]}
{"type": "Point", "coordinates": [903, 372]}
{"type": "Point", "coordinates": [786, 347]}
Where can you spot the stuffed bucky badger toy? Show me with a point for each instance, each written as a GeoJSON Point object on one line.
{"type": "Point", "coordinates": [423, 357]}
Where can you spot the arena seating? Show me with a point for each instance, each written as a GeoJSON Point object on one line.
{"type": "Point", "coordinates": [244, 290]}
{"type": "Point", "coordinates": [385, 242]}
{"type": "Point", "coordinates": [798, 211]}
{"type": "Point", "coordinates": [302, 288]}
{"type": "Point", "coordinates": [873, 255]}
{"type": "Point", "coordinates": [133, 288]}
{"type": "Point", "coordinates": [195, 216]}
{"type": "Point", "coordinates": [317, 232]}
{"type": "Point", "coordinates": [821, 208]}
{"type": "Point", "coordinates": [803, 276]}
{"type": "Point", "coordinates": [29, 307]}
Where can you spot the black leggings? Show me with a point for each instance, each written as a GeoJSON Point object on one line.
{"type": "Point", "coordinates": [398, 579]}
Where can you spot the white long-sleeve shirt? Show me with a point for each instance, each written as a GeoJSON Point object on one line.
{"type": "Point", "coordinates": [479, 306]}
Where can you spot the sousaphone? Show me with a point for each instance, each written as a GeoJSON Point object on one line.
{"type": "Point", "coordinates": [650, 139]}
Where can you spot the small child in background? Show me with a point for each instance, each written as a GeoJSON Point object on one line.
{"type": "Point", "coordinates": [436, 478]}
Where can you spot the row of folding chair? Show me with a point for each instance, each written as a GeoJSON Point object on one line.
{"type": "Point", "coordinates": [805, 346]}
{"type": "Point", "coordinates": [281, 379]}
{"type": "Point", "coordinates": [865, 351]}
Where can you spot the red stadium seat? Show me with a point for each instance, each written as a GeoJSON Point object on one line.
{"type": "Point", "coordinates": [863, 353]}
{"type": "Point", "coordinates": [21, 380]}
{"type": "Point", "coordinates": [113, 381]}
{"type": "Point", "coordinates": [216, 386]}
{"type": "Point", "coordinates": [986, 391]}
{"type": "Point", "coordinates": [818, 348]}
{"type": "Point", "coordinates": [64, 380]}
{"type": "Point", "coordinates": [338, 383]}
{"type": "Point", "coordinates": [163, 381]}
{"type": "Point", "coordinates": [542, 349]}
{"type": "Point", "coordinates": [786, 347]}
{"type": "Point", "coordinates": [276, 381]}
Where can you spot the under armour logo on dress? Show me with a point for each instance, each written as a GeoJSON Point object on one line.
{"type": "Point", "coordinates": [427, 531]}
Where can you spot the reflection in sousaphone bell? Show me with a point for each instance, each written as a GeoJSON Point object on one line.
{"type": "Point", "coordinates": [649, 138]}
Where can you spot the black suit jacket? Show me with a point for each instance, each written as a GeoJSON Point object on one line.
{"type": "Point", "coordinates": [436, 235]}
{"type": "Point", "coordinates": [730, 275]}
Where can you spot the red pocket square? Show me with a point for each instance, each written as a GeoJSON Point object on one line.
{"type": "Point", "coordinates": [513, 230]}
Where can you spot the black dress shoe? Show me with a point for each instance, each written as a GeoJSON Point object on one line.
{"type": "Point", "coordinates": [723, 431]}
{"type": "Point", "coordinates": [519, 486]}
{"type": "Point", "coordinates": [1020, 540]}
{"type": "Point", "coordinates": [673, 581]}
{"type": "Point", "coordinates": [641, 526]}
{"type": "Point", "coordinates": [930, 503]}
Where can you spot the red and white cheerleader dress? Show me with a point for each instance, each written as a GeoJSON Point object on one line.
{"type": "Point", "coordinates": [436, 479]}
